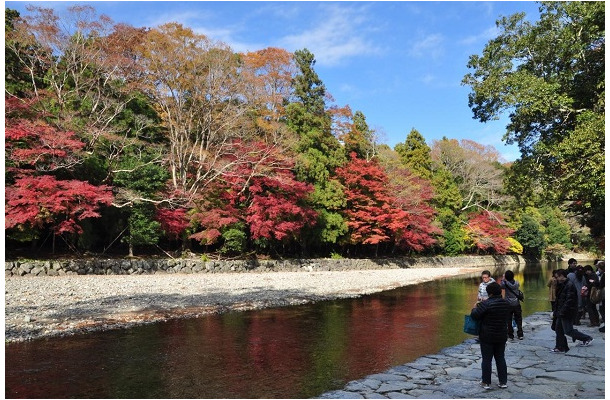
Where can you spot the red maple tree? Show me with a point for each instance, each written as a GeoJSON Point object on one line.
{"type": "Point", "coordinates": [34, 197]}
{"type": "Point", "coordinates": [377, 212]}
{"type": "Point", "coordinates": [488, 232]}
{"type": "Point", "coordinates": [35, 201]}
{"type": "Point", "coordinates": [173, 221]}
{"type": "Point", "coordinates": [260, 191]}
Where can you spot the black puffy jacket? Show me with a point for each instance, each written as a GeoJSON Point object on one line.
{"type": "Point", "coordinates": [493, 314]}
{"type": "Point", "coordinates": [566, 302]}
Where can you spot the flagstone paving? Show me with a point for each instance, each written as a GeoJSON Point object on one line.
{"type": "Point", "coordinates": [533, 371]}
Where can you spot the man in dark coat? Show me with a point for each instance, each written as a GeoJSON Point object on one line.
{"type": "Point", "coordinates": [493, 314]}
{"type": "Point", "coordinates": [566, 307]}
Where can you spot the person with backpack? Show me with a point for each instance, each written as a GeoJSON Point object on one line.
{"type": "Point", "coordinates": [511, 294]}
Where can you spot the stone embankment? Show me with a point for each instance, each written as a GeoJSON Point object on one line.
{"type": "Point", "coordinates": [97, 266]}
{"type": "Point", "coordinates": [533, 371]}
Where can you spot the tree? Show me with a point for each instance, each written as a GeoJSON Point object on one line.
{"type": "Point", "coordinates": [318, 151]}
{"type": "Point", "coordinates": [381, 211]}
{"type": "Point", "coordinates": [476, 170]}
{"type": "Point", "coordinates": [36, 155]}
{"type": "Point", "coordinates": [268, 74]}
{"type": "Point", "coordinates": [87, 68]}
{"type": "Point", "coordinates": [33, 202]}
{"type": "Point", "coordinates": [488, 233]}
{"type": "Point", "coordinates": [260, 195]}
{"type": "Point", "coordinates": [355, 133]}
{"type": "Point", "coordinates": [530, 236]}
{"type": "Point", "coordinates": [550, 76]}
{"type": "Point", "coordinates": [195, 87]}
{"type": "Point", "coordinates": [415, 154]}
{"type": "Point", "coordinates": [556, 228]}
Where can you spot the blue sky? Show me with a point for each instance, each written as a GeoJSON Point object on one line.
{"type": "Point", "coordinates": [400, 63]}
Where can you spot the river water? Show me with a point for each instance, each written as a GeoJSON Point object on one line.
{"type": "Point", "coordinates": [289, 352]}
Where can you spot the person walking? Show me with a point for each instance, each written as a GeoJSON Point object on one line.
{"type": "Point", "coordinates": [486, 279]}
{"type": "Point", "coordinates": [566, 306]}
{"type": "Point", "coordinates": [577, 277]}
{"type": "Point", "coordinates": [493, 314]}
{"type": "Point", "coordinates": [511, 288]}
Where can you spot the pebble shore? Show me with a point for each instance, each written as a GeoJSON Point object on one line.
{"type": "Point", "coordinates": [533, 371]}
{"type": "Point", "coordinates": [45, 306]}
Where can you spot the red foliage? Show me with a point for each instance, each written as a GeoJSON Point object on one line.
{"type": "Point", "coordinates": [36, 145]}
{"type": "Point", "coordinates": [376, 215]}
{"type": "Point", "coordinates": [173, 222]}
{"type": "Point", "coordinates": [489, 232]}
{"type": "Point", "coordinates": [36, 201]}
{"type": "Point", "coordinates": [261, 191]}
{"type": "Point", "coordinates": [276, 211]}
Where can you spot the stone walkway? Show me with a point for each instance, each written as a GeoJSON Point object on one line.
{"type": "Point", "coordinates": [533, 371]}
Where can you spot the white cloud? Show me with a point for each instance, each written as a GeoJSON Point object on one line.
{"type": "Point", "coordinates": [484, 37]}
{"type": "Point", "coordinates": [338, 36]}
{"type": "Point", "coordinates": [430, 46]}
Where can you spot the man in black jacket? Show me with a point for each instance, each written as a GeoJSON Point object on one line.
{"type": "Point", "coordinates": [493, 314]}
{"type": "Point", "coordinates": [566, 307]}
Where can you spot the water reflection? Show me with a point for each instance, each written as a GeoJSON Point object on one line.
{"type": "Point", "coordinates": [295, 352]}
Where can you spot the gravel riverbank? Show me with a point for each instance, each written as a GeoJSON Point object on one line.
{"type": "Point", "coordinates": [37, 307]}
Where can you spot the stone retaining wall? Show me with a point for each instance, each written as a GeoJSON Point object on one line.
{"type": "Point", "coordinates": [190, 266]}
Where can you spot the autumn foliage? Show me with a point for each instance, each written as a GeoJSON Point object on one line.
{"type": "Point", "coordinates": [262, 193]}
{"type": "Point", "coordinates": [163, 138]}
{"type": "Point", "coordinates": [33, 197]}
{"type": "Point", "coordinates": [376, 215]}
{"type": "Point", "coordinates": [488, 232]}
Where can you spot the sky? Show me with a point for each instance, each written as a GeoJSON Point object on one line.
{"type": "Point", "coordinates": [400, 63]}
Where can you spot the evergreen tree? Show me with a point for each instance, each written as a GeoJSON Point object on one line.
{"type": "Point", "coordinates": [319, 152]}
{"type": "Point", "coordinates": [415, 154]}
{"type": "Point", "coordinates": [530, 236]}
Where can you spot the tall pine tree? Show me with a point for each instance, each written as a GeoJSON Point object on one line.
{"type": "Point", "coordinates": [319, 152]}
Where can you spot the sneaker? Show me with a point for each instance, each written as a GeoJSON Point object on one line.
{"type": "Point", "coordinates": [520, 337]}
{"type": "Point", "coordinates": [602, 329]}
{"type": "Point", "coordinates": [502, 385]}
{"type": "Point", "coordinates": [586, 342]}
{"type": "Point", "coordinates": [558, 351]}
{"type": "Point", "coordinates": [485, 386]}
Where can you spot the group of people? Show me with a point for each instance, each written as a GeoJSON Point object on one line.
{"type": "Point", "coordinates": [570, 295]}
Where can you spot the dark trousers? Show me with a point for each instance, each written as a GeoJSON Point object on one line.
{"type": "Point", "coordinates": [592, 311]}
{"type": "Point", "coordinates": [515, 312]}
{"type": "Point", "coordinates": [563, 327]}
{"type": "Point", "coordinates": [495, 351]}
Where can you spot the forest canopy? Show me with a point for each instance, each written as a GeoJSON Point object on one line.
{"type": "Point", "coordinates": [160, 140]}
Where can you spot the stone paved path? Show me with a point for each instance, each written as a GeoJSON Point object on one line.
{"type": "Point", "coordinates": [533, 372]}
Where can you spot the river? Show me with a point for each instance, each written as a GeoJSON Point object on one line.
{"type": "Point", "coordinates": [289, 352]}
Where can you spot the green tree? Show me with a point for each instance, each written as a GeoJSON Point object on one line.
{"type": "Point", "coordinates": [530, 236]}
{"type": "Point", "coordinates": [360, 138]}
{"type": "Point", "coordinates": [139, 180]}
{"type": "Point", "coordinates": [557, 230]}
{"type": "Point", "coordinates": [319, 152]}
{"type": "Point", "coordinates": [415, 154]}
{"type": "Point", "coordinates": [550, 76]}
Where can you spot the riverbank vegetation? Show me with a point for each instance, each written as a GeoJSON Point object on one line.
{"type": "Point", "coordinates": [158, 140]}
